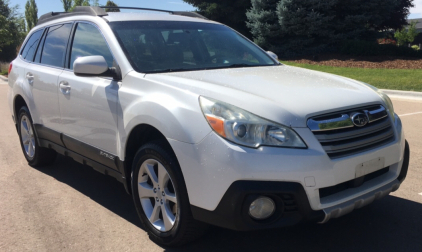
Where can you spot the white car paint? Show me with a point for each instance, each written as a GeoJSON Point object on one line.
{"type": "Point", "coordinates": [169, 102]}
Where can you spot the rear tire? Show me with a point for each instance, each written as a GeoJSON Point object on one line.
{"type": "Point", "coordinates": [33, 152]}
{"type": "Point", "coordinates": [161, 199]}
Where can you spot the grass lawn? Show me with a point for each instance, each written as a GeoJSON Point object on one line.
{"type": "Point", "coordinates": [397, 79]}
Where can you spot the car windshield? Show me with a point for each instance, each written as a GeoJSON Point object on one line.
{"type": "Point", "coordinates": [168, 46]}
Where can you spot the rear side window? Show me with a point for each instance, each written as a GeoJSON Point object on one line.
{"type": "Point", "coordinates": [31, 46]}
{"type": "Point", "coordinates": [88, 41]}
{"type": "Point", "coordinates": [40, 47]}
{"type": "Point", "coordinates": [55, 45]}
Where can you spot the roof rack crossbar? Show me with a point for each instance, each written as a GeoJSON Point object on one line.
{"type": "Point", "coordinates": [99, 11]}
{"type": "Point", "coordinates": [134, 8]}
{"type": "Point", "coordinates": [180, 13]}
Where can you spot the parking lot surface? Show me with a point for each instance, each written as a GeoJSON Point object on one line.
{"type": "Point", "coordinates": [71, 207]}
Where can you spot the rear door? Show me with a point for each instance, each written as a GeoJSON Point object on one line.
{"type": "Point", "coordinates": [88, 105]}
{"type": "Point", "coordinates": [42, 74]}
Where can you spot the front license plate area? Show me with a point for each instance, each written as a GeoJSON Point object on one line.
{"type": "Point", "coordinates": [369, 167]}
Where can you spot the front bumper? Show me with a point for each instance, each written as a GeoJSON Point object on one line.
{"type": "Point", "coordinates": [211, 167]}
{"type": "Point", "coordinates": [232, 211]}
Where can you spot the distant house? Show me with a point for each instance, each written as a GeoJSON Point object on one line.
{"type": "Point", "coordinates": [418, 25]}
{"type": "Point", "coordinates": [418, 39]}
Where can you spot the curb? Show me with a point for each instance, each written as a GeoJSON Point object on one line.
{"type": "Point", "coordinates": [409, 95]}
{"type": "Point", "coordinates": [3, 80]}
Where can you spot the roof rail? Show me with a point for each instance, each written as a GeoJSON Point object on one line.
{"type": "Point", "coordinates": [99, 11]}
{"type": "Point", "coordinates": [79, 10]}
{"type": "Point", "coordinates": [180, 13]}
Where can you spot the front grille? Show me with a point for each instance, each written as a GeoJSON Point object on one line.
{"type": "Point", "coordinates": [340, 137]}
{"type": "Point", "coordinates": [328, 191]}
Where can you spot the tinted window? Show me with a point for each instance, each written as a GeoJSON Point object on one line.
{"type": "Point", "coordinates": [40, 48]}
{"type": "Point", "coordinates": [30, 47]}
{"type": "Point", "coordinates": [88, 41]}
{"type": "Point", "coordinates": [55, 45]}
{"type": "Point", "coordinates": [162, 46]}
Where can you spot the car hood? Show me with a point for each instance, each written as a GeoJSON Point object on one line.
{"type": "Point", "coordinates": [284, 94]}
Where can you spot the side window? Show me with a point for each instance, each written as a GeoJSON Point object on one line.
{"type": "Point", "coordinates": [40, 47]}
{"type": "Point", "coordinates": [55, 45]}
{"type": "Point", "coordinates": [30, 46]}
{"type": "Point", "coordinates": [88, 41]}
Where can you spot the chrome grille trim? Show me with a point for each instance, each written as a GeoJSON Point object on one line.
{"type": "Point", "coordinates": [343, 120]}
{"type": "Point", "coordinates": [343, 140]}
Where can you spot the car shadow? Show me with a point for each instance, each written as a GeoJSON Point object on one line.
{"type": "Point", "coordinates": [104, 190]}
{"type": "Point", "coordinates": [390, 224]}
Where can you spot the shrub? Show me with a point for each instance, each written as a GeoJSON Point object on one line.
{"type": "Point", "coordinates": [386, 41]}
{"type": "Point", "coordinates": [4, 67]}
{"type": "Point", "coordinates": [365, 48]}
{"type": "Point", "coordinates": [415, 47]}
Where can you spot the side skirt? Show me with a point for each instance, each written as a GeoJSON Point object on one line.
{"type": "Point", "coordinates": [100, 161]}
{"type": "Point", "coordinates": [83, 160]}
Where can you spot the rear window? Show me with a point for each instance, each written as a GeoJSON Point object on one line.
{"type": "Point", "coordinates": [30, 47]}
{"type": "Point", "coordinates": [55, 45]}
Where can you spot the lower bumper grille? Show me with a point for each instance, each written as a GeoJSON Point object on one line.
{"type": "Point", "coordinates": [328, 191]}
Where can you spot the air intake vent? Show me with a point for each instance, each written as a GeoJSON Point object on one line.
{"type": "Point", "coordinates": [350, 132]}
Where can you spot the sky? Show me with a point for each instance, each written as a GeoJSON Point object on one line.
{"type": "Point", "coordinates": [416, 12]}
{"type": "Point", "coordinates": [45, 6]}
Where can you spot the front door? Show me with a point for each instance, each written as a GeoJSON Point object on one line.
{"type": "Point", "coordinates": [88, 105]}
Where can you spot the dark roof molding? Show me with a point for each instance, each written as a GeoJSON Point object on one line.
{"type": "Point", "coordinates": [78, 11]}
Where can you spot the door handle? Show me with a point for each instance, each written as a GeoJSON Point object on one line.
{"type": "Point", "coordinates": [65, 87]}
{"type": "Point", "coordinates": [30, 78]}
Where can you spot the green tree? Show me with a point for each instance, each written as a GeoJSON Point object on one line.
{"type": "Point", "coordinates": [67, 4]}
{"type": "Point", "coordinates": [398, 17]}
{"type": "Point", "coordinates": [111, 4]}
{"type": "Point", "coordinates": [231, 13]}
{"type": "Point", "coordinates": [412, 32]}
{"type": "Point", "coordinates": [290, 27]}
{"type": "Point", "coordinates": [31, 14]}
{"type": "Point", "coordinates": [95, 3]}
{"type": "Point", "coordinates": [12, 30]}
{"type": "Point", "coordinates": [4, 33]}
{"type": "Point", "coordinates": [407, 34]}
{"type": "Point", "coordinates": [79, 3]}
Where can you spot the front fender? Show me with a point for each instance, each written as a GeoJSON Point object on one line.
{"type": "Point", "coordinates": [174, 112]}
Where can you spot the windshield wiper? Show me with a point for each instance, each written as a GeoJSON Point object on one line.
{"type": "Point", "coordinates": [239, 65]}
{"type": "Point", "coordinates": [170, 70]}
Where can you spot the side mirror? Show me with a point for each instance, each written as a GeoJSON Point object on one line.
{"type": "Point", "coordinates": [95, 66]}
{"type": "Point", "coordinates": [273, 55]}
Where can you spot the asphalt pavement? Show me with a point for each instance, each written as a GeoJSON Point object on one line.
{"type": "Point", "coordinates": [71, 207]}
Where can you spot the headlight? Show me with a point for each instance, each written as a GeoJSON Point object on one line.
{"type": "Point", "coordinates": [244, 128]}
{"type": "Point", "coordinates": [387, 102]}
{"type": "Point", "coordinates": [385, 98]}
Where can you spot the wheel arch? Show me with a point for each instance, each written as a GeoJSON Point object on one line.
{"type": "Point", "coordinates": [18, 102]}
{"type": "Point", "coordinates": [138, 136]}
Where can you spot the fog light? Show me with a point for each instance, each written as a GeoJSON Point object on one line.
{"type": "Point", "coordinates": [262, 208]}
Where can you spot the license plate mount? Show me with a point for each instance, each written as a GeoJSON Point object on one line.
{"type": "Point", "coordinates": [369, 167]}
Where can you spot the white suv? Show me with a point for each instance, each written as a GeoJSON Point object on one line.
{"type": "Point", "coordinates": [201, 125]}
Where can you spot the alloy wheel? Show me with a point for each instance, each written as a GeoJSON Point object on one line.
{"type": "Point", "coordinates": [157, 195]}
{"type": "Point", "coordinates": [27, 135]}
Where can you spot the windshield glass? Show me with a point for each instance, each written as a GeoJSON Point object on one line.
{"type": "Point", "coordinates": [167, 46]}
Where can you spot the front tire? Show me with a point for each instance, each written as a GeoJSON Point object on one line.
{"type": "Point", "coordinates": [33, 152]}
{"type": "Point", "coordinates": [160, 197]}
